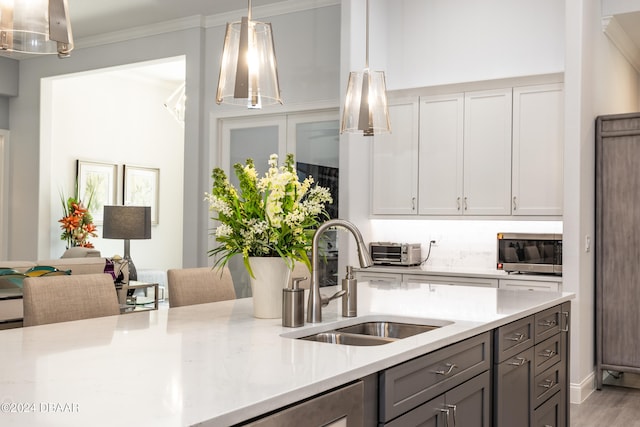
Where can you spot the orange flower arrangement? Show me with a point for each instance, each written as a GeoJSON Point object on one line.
{"type": "Point", "coordinates": [77, 223]}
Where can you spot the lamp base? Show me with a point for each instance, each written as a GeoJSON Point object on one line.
{"type": "Point", "coordinates": [133, 273]}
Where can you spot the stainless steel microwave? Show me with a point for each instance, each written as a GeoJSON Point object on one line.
{"type": "Point", "coordinates": [530, 253]}
{"type": "Point", "coordinates": [386, 253]}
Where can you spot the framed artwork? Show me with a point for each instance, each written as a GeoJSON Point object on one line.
{"type": "Point", "coordinates": [96, 186]}
{"type": "Point", "coordinates": [141, 188]}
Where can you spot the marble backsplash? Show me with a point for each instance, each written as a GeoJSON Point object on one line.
{"type": "Point", "coordinates": [463, 244]}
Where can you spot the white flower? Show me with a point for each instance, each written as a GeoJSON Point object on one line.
{"type": "Point", "coordinates": [223, 230]}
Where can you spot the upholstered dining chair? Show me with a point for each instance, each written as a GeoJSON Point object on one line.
{"type": "Point", "coordinates": [53, 299]}
{"type": "Point", "coordinates": [188, 286]}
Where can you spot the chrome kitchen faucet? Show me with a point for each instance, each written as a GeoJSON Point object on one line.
{"type": "Point", "coordinates": [314, 308]}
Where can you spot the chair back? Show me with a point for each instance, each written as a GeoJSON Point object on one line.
{"type": "Point", "coordinates": [53, 299]}
{"type": "Point", "coordinates": [188, 286]}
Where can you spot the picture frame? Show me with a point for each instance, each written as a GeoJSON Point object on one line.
{"type": "Point", "coordinates": [141, 187]}
{"type": "Point", "coordinates": [101, 179]}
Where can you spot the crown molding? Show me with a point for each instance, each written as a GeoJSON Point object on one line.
{"type": "Point", "coordinates": [274, 9]}
{"type": "Point", "coordinates": [618, 36]}
{"type": "Point", "coordinates": [142, 31]}
{"type": "Point", "coordinates": [199, 21]}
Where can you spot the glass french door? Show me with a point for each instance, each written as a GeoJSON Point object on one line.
{"type": "Point", "coordinates": [313, 139]}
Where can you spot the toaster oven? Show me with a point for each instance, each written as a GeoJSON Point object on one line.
{"type": "Point", "coordinates": [404, 254]}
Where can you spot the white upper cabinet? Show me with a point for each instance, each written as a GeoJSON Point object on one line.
{"type": "Point", "coordinates": [479, 153]}
{"type": "Point", "coordinates": [465, 153]}
{"type": "Point", "coordinates": [441, 149]}
{"type": "Point", "coordinates": [538, 127]}
{"type": "Point", "coordinates": [487, 152]}
{"type": "Point", "coordinates": [395, 163]}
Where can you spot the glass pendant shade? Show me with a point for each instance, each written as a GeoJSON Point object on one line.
{"type": "Point", "coordinates": [365, 106]}
{"type": "Point", "coordinates": [35, 27]}
{"type": "Point", "coordinates": [248, 73]}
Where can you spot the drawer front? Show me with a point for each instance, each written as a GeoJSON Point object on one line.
{"type": "Point", "coordinates": [529, 285]}
{"type": "Point", "coordinates": [513, 338]}
{"type": "Point", "coordinates": [547, 384]}
{"type": "Point", "coordinates": [413, 383]}
{"type": "Point", "coordinates": [548, 353]}
{"type": "Point", "coordinates": [373, 277]}
{"type": "Point", "coordinates": [447, 280]}
{"type": "Point", "coordinates": [547, 323]}
{"type": "Point", "coordinates": [550, 414]}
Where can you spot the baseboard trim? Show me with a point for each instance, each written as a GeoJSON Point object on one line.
{"type": "Point", "coordinates": [578, 392]}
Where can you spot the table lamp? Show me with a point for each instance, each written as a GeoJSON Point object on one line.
{"type": "Point", "coordinates": [127, 222]}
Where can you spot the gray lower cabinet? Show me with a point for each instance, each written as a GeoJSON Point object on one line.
{"type": "Point", "coordinates": [341, 407]}
{"type": "Point", "coordinates": [452, 384]}
{"type": "Point", "coordinates": [530, 375]}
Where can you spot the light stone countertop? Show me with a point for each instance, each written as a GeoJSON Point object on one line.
{"type": "Point", "coordinates": [217, 365]}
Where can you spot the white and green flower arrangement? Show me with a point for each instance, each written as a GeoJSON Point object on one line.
{"type": "Point", "coordinates": [272, 216]}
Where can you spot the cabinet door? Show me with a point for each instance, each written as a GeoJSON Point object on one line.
{"type": "Point", "coordinates": [513, 390]}
{"type": "Point", "coordinates": [538, 127]}
{"type": "Point", "coordinates": [441, 145]}
{"type": "Point", "coordinates": [470, 403]}
{"type": "Point", "coordinates": [379, 278]}
{"type": "Point", "coordinates": [487, 152]}
{"type": "Point", "coordinates": [394, 172]}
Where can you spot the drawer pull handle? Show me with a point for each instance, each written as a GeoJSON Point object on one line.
{"type": "Point", "coordinates": [446, 417]}
{"type": "Point", "coordinates": [518, 337]}
{"type": "Point", "coordinates": [548, 353]}
{"type": "Point", "coordinates": [453, 408]}
{"type": "Point", "coordinates": [458, 203]}
{"type": "Point", "coordinates": [548, 384]}
{"type": "Point", "coordinates": [520, 361]}
{"type": "Point", "coordinates": [566, 315]}
{"type": "Point", "coordinates": [451, 366]}
{"type": "Point", "coordinates": [548, 323]}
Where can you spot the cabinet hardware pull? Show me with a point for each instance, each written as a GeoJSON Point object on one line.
{"type": "Point", "coordinates": [566, 315]}
{"type": "Point", "coordinates": [547, 384]}
{"type": "Point", "coordinates": [458, 203]}
{"type": "Point", "coordinates": [548, 353]}
{"type": "Point", "coordinates": [446, 417]}
{"type": "Point", "coordinates": [548, 323]}
{"type": "Point", "coordinates": [451, 366]}
{"type": "Point", "coordinates": [466, 205]}
{"type": "Point", "coordinates": [413, 203]}
{"type": "Point", "coordinates": [520, 361]}
{"type": "Point", "coordinates": [518, 337]}
{"type": "Point", "coordinates": [453, 407]}
{"type": "Point", "coordinates": [515, 205]}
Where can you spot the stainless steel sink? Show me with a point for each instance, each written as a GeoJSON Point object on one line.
{"type": "Point", "coordinates": [335, 337]}
{"type": "Point", "coordinates": [371, 333]}
{"type": "Point", "coordinates": [387, 329]}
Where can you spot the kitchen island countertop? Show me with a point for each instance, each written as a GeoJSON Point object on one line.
{"type": "Point", "coordinates": [217, 365]}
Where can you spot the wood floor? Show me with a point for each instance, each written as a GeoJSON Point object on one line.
{"type": "Point", "coordinates": [613, 406]}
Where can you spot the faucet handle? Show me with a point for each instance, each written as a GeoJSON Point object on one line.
{"type": "Point", "coordinates": [326, 300]}
{"type": "Point", "coordinates": [295, 282]}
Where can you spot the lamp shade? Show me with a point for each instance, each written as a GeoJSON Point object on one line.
{"type": "Point", "coordinates": [248, 71]}
{"type": "Point", "coordinates": [127, 222]}
{"type": "Point", "coordinates": [365, 106]}
{"type": "Point", "coordinates": [36, 27]}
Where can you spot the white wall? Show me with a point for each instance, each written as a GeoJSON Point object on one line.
{"type": "Point", "coordinates": [117, 118]}
{"type": "Point", "coordinates": [307, 48]}
{"type": "Point", "coordinates": [439, 42]}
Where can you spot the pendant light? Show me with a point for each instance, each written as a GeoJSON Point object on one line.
{"type": "Point", "coordinates": [365, 105]}
{"type": "Point", "coordinates": [248, 74]}
{"type": "Point", "coordinates": [35, 27]}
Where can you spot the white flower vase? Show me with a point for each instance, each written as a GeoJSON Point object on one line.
{"type": "Point", "coordinates": [271, 276]}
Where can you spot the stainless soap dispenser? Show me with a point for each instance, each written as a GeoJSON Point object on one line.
{"type": "Point", "coordinates": [293, 304]}
{"type": "Point", "coordinates": [350, 298]}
